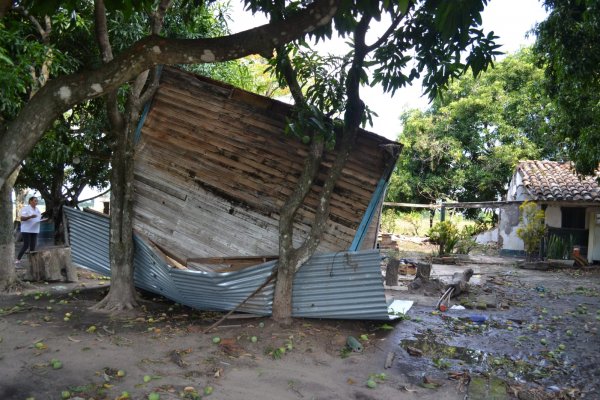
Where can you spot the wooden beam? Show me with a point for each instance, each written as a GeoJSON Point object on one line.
{"type": "Point", "coordinates": [464, 204]}
{"type": "Point", "coordinates": [411, 205]}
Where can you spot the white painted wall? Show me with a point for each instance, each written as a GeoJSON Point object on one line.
{"type": "Point", "coordinates": [507, 232]}
{"type": "Point", "coordinates": [594, 234]}
{"type": "Point", "coordinates": [487, 236]}
{"type": "Point", "coordinates": [509, 216]}
{"type": "Point", "coordinates": [515, 188]}
{"type": "Point", "coordinates": [553, 216]}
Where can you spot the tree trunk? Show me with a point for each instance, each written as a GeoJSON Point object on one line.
{"type": "Point", "coordinates": [8, 275]}
{"type": "Point", "coordinates": [121, 295]}
{"type": "Point", "coordinates": [282, 298]}
{"type": "Point", "coordinates": [291, 259]}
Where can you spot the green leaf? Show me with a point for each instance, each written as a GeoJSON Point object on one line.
{"type": "Point", "coordinates": [403, 6]}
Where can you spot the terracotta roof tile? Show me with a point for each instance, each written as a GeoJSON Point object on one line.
{"type": "Point", "coordinates": [551, 180]}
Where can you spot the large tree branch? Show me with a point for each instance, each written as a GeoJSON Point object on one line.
{"type": "Point", "coordinates": [309, 170]}
{"type": "Point", "coordinates": [158, 17]}
{"type": "Point", "coordinates": [103, 39]}
{"type": "Point", "coordinates": [44, 32]}
{"type": "Point", "coordinates": [4, 7]}
{"type": "Point", "coordinates": [391, 29]}
{"type": "Point", "coordinates": [64, 92]}
{"type": "Point", "coordinates": [352, 118]}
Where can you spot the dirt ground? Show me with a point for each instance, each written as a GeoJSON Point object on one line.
{"type": "Point", "coordinates": [525, 334]}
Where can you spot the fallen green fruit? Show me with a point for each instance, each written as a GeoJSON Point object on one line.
{"type": "Point", "coordinates": [371, 384]}
{"type": "Point", "coordinates": [147, 378]}
{"type": "Point", "coordinates": [208, 390]}
{"type": "Point", "coordinates": [65, 394]}
{"type": "Point", "coordinates": [120, 373]}
{"type": "Point", "coordinates": [543, 341]}
{"type": "Point", "coordinates": [561, 346]}
{"type": "Point", "coordinates": [154, 396]}
{"type": "Point", "coordinates": [216, 340]}
{"type": "Point", "coordinates": [254, 339]}
{"type": "Point", "coordinates": [56, 365]}
{"type": "Point", "coordinates": [40, 345]}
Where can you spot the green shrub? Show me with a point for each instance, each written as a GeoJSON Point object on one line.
{"type": "Point", "coordinates": [467, 241]}
{"type": "Point", "coordinates": [532, 227]}
{"type": "Point", "coordinates": [559, 248]}
{"type": "Point", "coordinates": [446, 234]}
{"type": "Point", "coordinates": [388, 221]}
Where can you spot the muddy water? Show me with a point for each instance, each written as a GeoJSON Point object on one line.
{"type": "Point", "coordinates": [547, 337]}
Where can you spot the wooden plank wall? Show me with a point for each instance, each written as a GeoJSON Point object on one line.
{"type": "Point", "coordinates": [213, 167]}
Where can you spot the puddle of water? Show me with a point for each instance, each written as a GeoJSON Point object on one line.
{"type": "Point", "coordinates": [434, 349]}
{"type": "Point", "coordinates": [431, 347]}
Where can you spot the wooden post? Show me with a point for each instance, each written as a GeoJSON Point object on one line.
{"type": "Point", "coordinates": [48, 265]}
{"type": "Point", "coordinates": [422, 276]}
{"type": "Point", "coordinates": [391, 272]}
{"type": "Point", "coordinates": [423, 271]}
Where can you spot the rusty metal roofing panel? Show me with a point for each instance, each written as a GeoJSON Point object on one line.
{"type": "Point", "coordinates": [344, 285]}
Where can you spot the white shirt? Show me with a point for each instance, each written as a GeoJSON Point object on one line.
{"type": "Point", "coordinates": [31, 225]}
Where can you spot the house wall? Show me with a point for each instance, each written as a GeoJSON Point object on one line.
{"type": "Point", "coordinates": [594, 234]}
{"type": "Point", "coordinates": [510, 243]}
{"type": "Point", "coordinates": [487, 236]}
{"type": "Point", "coordinates": [507, 232]}
{"type": "Point", "coordinates": [213, 168]}
{"type": "Point", "coordinates": [553, 216]}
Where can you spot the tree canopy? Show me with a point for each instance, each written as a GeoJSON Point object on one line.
{"type": "Point", "coordinates": [38, 48]}
{"type": "Point", "coordinates": [466, 145]}
{"type": "Point", "coordinates": [568, 48]}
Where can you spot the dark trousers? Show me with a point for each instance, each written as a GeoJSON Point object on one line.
{"type": "Point", "coordinates": [29, 242]}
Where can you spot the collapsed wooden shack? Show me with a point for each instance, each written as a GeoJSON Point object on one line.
{"type": "Point", "coordinates": [213, 168]}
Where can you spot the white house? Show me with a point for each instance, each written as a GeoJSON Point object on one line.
{"type": "Point", "coordinates": [571, 204]}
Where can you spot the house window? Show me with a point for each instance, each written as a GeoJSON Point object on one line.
{"type": "Point", "coordinates": [573, 217]}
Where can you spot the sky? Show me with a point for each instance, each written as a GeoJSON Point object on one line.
{"type": "Point", "coordinates": [509, 19]}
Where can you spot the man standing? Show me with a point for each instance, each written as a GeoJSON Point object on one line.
{"type": "Point", "coordinates": [30, 226]}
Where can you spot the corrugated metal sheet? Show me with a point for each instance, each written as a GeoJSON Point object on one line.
{"type": "Point", "coordinates": [89, 247]}
{"type": "Point", "coordinates": [345, 285]}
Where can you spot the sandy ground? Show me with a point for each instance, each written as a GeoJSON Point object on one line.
{"type": "Point", "coordinates": [539, 341]}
